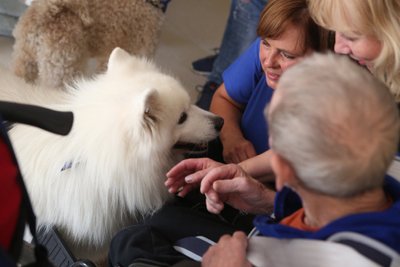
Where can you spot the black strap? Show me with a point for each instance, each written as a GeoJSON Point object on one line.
{"type": "Point", "coordinates": [58, 122]}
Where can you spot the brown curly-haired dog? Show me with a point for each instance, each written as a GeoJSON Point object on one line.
{"type": "Point", "coordinates": [54, 39]}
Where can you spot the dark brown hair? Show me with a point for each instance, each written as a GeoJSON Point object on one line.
{"type": "Point", "coordinates": [278, 14]}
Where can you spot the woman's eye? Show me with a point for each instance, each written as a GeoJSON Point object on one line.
{"type": "Point", "coordinates": [265, 43]}
{"type": "Point", "coordinates": [349, 37]}
{"type": "Point", "coordinates": [287, 56]}
{"type": "Point", "coordinates": [183, 118]}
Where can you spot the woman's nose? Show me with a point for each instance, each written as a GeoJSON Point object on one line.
{"type": "Point", "coordinates": [341, 45]}
{"type": "Point", "coordinates": [271, 59]}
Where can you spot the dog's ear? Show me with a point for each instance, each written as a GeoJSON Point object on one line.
{"type": "Point", "coordinates": [121, 60]}
{"type": "Point", "coordinates": [117, 56]}
{"type": "Point", "coordinates": [152, 109]}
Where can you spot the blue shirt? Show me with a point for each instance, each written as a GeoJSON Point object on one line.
{"type": "Point", "coordinates": [383, 226]}
{"type": "Point", "coordinates": [245, 83]}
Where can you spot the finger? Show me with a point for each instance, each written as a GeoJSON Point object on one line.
{"type": "Point", "coordinates": [229, 186]}
{"type": "Point", "coordinates": [177, 178]}
{"type": "Point", "coordinates": [241, 238]}
{"type": "Point", "coordinates": [224, 238]}
{"type": "Point", "coordinates": [235, 157]}
{"type": "Point", "coordinates": [245, 152]}
{"type": "Point", "coordinates": [207, 181]}
{"type": "Point", "coordinates": [173, 189]}
{"type": "Point", "coordinates": [189, 179]}
{"type": "Point", "coordinates": [241, 156]}
{"type": "Point", "coordinates": [212, 195]}
{"type": "Point", "coordinates": [174, 183]}
{"type": "Point", "coordinates": [186, 176]}
{"type": "Point", "coordinates": [228, 171]}
{"type": "Point", "coordinates": [248, 152]}
{"type": "Point", "coordinates": [213, 207]}
{"type": "Point", "coordinates": [176, 188]}
{"type": "Point", "coordinates": [227, 157]}
{"type": "Point", "coordinates": [208, 256]}
{"type": "Point", "coordinates": [185, 167]}
{"type": "Point", "coordinates": [197, 176]}
{"type": "Point", "coordinates": [213, 198]}
{"type": "Point", "coordinates": [185, 190]}
{"type": "Point", "coordinates": [193, 179]}
{"type": "Point", "coordinates": [239, 235]}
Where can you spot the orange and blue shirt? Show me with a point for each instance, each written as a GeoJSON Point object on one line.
{"type": "Point", "coordinates": [383, 226]}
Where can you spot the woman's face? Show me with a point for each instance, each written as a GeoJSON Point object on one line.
{"type": "Point", "coordinates": [277, 55]}
{"type": "Point", "coordinates": [362, 48]}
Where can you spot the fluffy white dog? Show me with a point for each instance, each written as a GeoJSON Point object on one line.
{"type": "Point", "coordinates": [130, 125]}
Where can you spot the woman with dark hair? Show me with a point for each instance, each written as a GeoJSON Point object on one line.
{"type": "Point", "coordinates": [286, 33]}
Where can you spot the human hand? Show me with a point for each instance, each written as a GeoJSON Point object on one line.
{"type": "Point", "coordinates": [231, 184]}
{"type": "Point", "coordinates": [237, 149]}
{"type": "Point", "coordinates": [230, 251]}
{"type": "Point", "coordinates": [188, 174]}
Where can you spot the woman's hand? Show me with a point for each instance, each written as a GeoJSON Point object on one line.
{"type": "Point", "coordinates": [237, 149]}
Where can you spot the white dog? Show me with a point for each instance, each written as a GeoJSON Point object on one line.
{"type": "Point", "coordinates": [130, 125]}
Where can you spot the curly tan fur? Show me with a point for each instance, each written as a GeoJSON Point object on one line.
{"type": "Point", "coordinates": [54, 39]}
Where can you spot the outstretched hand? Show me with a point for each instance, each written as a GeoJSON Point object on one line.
{"type": "Point", "coordinates": [231, 184]}
{"type": "Point", "coordinates": [187, 174]}
{"type": "Point", "coordinates": [220, 183]}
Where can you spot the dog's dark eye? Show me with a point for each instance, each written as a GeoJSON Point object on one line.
{"type": "Point", "coordinates": [183, 118]}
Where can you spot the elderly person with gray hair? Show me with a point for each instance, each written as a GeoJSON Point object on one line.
{"type": "Point", "coordinates": [334, 130]}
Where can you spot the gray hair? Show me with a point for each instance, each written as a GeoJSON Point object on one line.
{"type": "Point", "coordinates": [336, 124]}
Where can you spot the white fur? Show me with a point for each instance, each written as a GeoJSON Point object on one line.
{"type": "Point", "coordinates": [120, 147]}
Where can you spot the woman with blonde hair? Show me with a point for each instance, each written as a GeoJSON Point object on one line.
{"type": "Point", "coordinates": [366, 30]}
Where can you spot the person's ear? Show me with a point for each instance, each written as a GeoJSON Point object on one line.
{"type": "Point", "coordinates": [283, 170]}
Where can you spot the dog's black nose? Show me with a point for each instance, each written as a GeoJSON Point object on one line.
{"type": "Point", "coordinates": [218, 123]}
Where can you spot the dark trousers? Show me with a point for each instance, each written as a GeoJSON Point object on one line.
{"type": "Point", "coordinates": [152, 240]}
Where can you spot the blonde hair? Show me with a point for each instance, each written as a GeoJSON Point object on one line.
{"type": "Point", "coordinates": [278, 14]}
{"type": "Point", "coordinates": [379, 18]}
